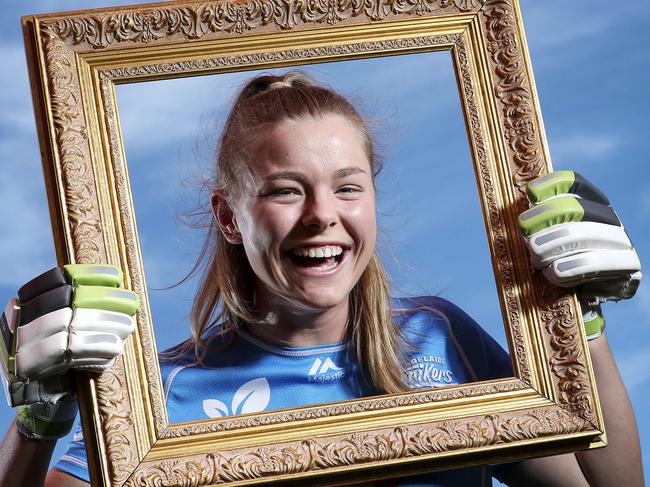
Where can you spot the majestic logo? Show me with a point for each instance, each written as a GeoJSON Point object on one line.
{"type": "Point", "coordinates": [320, 371]}
{"type": "Point", "coordinates": [428, 371]}
{"type": "Point", "coordinates": [252, 397]}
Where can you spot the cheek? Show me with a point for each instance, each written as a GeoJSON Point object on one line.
{"type": "Point", "coordinates": [364, 223]}
{"type": "Point", "coordinates": [266, 228]}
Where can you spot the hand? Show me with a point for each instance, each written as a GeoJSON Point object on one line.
{"type": "Point", "coordinates": [579, 241]}
{"type": "Point", "coordinates": [75, 317]}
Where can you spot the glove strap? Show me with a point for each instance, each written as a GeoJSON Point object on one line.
{"type": "Point", "coordinates": [46, 421]}
{"type": "Point", "coordinates": [594, 320]}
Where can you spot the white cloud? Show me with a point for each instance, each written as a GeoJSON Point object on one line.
{"type": "Point", "coordinates": [186, 110]}
{"type": "Point", "coordinates": [555, 23]}
{"type": "Point", "coordinates": [164, 112]}
{"type": "Point", "coordinates": [550, 30]}
{"type": "Point", "coordinates": [584, 148]}
{"type": "Point", "coordinates": [15, 96]}
{"type": "Point", "coordinates": [26, 248]}
{"type": "Point", "coordinates": [26, 244]}
{"type": "Point", "coordinates": [558, 30]}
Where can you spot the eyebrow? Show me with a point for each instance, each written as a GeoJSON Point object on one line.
{"type": "Point", "coordinates": [297, 176]}
{"type": "Point", "coordinates": [348, 171]}
{"type": "Point", "coordinates": [292, 175]}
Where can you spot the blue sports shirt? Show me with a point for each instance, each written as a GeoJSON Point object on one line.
{"type": "Point", "coordinates": [250, 374]}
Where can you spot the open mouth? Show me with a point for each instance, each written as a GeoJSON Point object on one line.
{"type": "Point", "coordinates": [320, 259]}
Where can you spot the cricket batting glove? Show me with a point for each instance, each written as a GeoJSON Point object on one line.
{"type": "Point", "coordinates": [71, 318]}
{"type": "Point", "coordinates": [577, 240]}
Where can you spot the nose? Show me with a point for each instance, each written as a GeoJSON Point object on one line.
{"type": "Point", "coordinates": [319, 212]}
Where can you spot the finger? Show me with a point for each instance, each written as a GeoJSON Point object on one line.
{"type": "Point", "coordinates": [567, 239]}
{"type": "Point", "coordinates": [106, 298]}
{"type": "Point", "coordinates": [564, 182]}
{"type": "Point", "coordinates": [85, 348]}
{"type": "Point", "coordinates": [62, 351]}
{"type": "Point", "coordinates": [51, 290]}
{"type": "Point", "coordinates": [613, 289]}
{"type": "Point", "coordinates": [93, 275]}
{"type": "Point", "coordinates": [57, 298]}
{"type": "Point", "coordinates": [102, 321]}
{"type": "Point", "coordinates": [48, 280]}
{"type": "Point", "coordinates": [43, 327]}
{"type": "Point", "coordinates": [580, 268]}
{"type": "Point", "coordinates": [562, 210]}
{"type": "Point", "coordinates": [42, 358]}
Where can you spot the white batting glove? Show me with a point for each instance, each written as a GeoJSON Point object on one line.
{"type": "Point", "coordinates": [75, 317]}
{"type": "Point", "coordinates": [578, 241]}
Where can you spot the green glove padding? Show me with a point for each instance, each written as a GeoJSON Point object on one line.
{"type": "Point", "coordinates": [565, 209]}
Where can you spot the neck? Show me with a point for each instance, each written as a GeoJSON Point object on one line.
{"type": "Point", "coordinates": [302, 327]}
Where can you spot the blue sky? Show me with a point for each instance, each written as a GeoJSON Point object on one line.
{"type": "Point", "coordinates": [590, 64]}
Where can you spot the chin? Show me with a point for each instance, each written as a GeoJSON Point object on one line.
{"type": "Point", "coordinates": [322, 299]}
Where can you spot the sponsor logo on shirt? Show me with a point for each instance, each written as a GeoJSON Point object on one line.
{"type": "Point", "coordinates": [325, 371]}
{"type": "Point", "coordinates": [251, 397]}
{"type": "Point", "coordinates": [428, 371]}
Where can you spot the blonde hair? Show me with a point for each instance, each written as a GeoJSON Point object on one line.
{"type": "Point", "coordinates": [225, 297]}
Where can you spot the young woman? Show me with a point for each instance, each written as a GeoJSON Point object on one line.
{"type": "Point", "coordinates": [295, 303]}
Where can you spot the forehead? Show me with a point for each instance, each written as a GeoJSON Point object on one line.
{"type": "Point", "coordinates": [309, 144]}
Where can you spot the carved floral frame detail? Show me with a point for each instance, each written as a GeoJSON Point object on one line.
{"type": "Point", "coordinates": [549, 406]}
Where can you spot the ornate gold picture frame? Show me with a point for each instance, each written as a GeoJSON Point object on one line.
{"type": "Point", "coordinates": [549, 406]}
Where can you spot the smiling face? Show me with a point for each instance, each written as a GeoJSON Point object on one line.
{"type": "Point", "coordinates": [306, 218]}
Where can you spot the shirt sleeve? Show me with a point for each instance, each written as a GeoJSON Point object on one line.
{"type": "Point", "coordinates": [481, 353]}
{"type": "Point", "coordinates": [487, 357]}
{"type": "Point", "coordinates": [74, 461]}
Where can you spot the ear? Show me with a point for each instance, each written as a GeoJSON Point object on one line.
{"type": "Point", "coordinates": [225, 218]}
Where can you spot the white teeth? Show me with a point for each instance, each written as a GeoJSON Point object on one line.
{"type": "Point", "coordinates": [319, 252]}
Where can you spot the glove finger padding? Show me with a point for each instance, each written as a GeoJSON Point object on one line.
{"type": "Point", "coordinates": [593, 266]}
{"type": "Point", "coordinates": [65, 339]}
{"type": "Point", "coordinates": [566, 239]}
{"type": "Point", "coordinates": [613, 289]}
{"type": "Point", "coordinates": [102, 321]}
{"type": "Point", "coordinates": [563, 183]}
{"type": "Point", "coordinates": [577, 239]}
{"type": "Point", "coordinates": [43, 358]}
{"type": "Point", "coordinates": [88, 348]}
{"type": "Point", "coordinates": [564, 209]}
{"type": "Point", "coordinates": [43, 327]}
